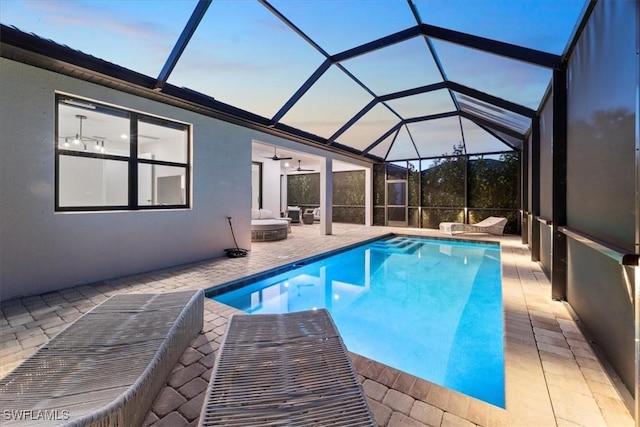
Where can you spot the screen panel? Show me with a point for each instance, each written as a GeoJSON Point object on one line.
{"type": "Point", "coordinates": [243, 55]}
{"type": "Point", "coordinates": [546, 162]}
{"type": "Point", "coordinates": [542, 24]}
{"type": "Point", "coordinates": [601, 169]}
{"type": "Point", "coordinates": [397, 67]}
{"type": "Point", "coordinates": [331, 102]}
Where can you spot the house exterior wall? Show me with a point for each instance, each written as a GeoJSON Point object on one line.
{"type": "Point", "coordinates": [43, 251]}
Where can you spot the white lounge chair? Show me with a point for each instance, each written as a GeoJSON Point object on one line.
{"type": "Point", "coordinates": [492, 225]}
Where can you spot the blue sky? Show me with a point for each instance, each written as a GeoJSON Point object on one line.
{"type": "Point", "coordinates": [243, 55]}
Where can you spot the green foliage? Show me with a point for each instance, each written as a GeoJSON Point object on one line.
{"type": "Point", "coordinates": [348, 214]}
{"type": "Point", "coordinates": [348, 194]}
{"type": "Point", "coordinates": [494, 183]}
{"type": "Point", "coordinates": [348, 188]}
{"type": "Point", "coordinates": [379, 186]}
{"type": "Point", "coordinates": [413, 185]}
{"type": "Point", "coordinates": [303, 189]}
{"type": "Point", "coordinates": [378, 216]}
{"type": "Point", "coordinates": [443, 181]}
{"type": "Point", "coordinates": [431, 218]}
{"type": "Point", "coordinates": [451, 183]}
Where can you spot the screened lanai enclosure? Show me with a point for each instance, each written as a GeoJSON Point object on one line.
{"type": "Point", "coordinates": [454, 110]}
{"type": "Point", "coordinates": [445, 103]}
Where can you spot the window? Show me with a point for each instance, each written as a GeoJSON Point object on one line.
{"type": "Point", "coordinates": [109, 158]}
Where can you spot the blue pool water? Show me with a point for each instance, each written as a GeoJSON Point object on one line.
{"type": "Point", "coordinates": [431, 308]}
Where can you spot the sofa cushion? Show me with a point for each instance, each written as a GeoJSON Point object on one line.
{"type": "Point", "coordinates": [266, 214]}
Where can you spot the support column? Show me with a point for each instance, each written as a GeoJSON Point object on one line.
{"type": "Point", "coordinates": [326, 196]}
{"type": "Point", "coordinates": [283, 192]}
{"type": "Point", "coordinates": [559, 196]}
{"type": "Point", "coordinates": [368, 196]}
{"type": "Point", "coordinates": [524, 193]}
{"type": "Point", "coordinates": [534, 244]}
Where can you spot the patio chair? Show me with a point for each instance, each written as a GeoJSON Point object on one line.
{"type": "Point", "coordinates": [491, 225]}
{"type": "Point", "coordinates": [284, 369]}
{"type": "Point", "coordinates": [293, 212]}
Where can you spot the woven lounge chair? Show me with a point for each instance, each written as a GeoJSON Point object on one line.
{"type": "Point", "coordinates": [492, 225]}
{"type": "Point", "coordinates": [284, 369]}
{"type": "Point", "coordinates": [106, 368]}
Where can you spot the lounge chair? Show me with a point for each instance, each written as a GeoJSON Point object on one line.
{"type": "Point", "coordinates": [106, 368]}
{"type": "Point", "coordinates": [492, 225]}
{"type": "Point", "coordinates": [284, 369]}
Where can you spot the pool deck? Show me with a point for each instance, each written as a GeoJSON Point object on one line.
{"type": "Point", "coordinates": [553, 376]}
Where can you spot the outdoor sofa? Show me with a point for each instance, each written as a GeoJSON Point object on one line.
{"type": "Point", "coordinates": [266, 227]}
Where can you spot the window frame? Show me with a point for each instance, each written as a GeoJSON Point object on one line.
{"type": "Point", "coordinates": [132, 160]}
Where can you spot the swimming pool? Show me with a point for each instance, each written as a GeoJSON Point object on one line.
{"type": "Point", "coordinates": [428, 307]}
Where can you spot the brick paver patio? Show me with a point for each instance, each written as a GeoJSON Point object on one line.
{"type": "Point", "coordinates": [553, 377]}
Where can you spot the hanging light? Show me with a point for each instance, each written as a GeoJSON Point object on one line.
{"type": "Point", "coordinates": [79, 138]}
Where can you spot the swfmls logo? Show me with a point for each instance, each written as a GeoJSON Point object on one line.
{"type": "Point", "coordinates": [36, 415]}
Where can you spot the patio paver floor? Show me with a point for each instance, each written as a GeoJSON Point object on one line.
{"type": "Point", "coordinates": [553, 377]}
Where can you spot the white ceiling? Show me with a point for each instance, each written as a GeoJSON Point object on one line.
{"type": "Point", "coordinates": [307, 161]}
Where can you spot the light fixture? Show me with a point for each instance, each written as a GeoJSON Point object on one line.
{"type": "Point", "coordinates": [77, 103]}
{"type": "Point", "coordinates": [78, 138]}
{"type": "Point", "coordinates": [100, 146]}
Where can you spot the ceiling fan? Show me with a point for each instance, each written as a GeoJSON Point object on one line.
{"type": "Point", "coordinates": [300, 169]}
{"type": "Point", "coordinates": [275, 156]}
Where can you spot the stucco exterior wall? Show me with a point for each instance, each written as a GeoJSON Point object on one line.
{"type": "Point", "coordinates": [42, 251]}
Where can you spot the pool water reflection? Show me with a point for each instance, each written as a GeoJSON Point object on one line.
{"type": "Point", "coordinates": [431, 308]}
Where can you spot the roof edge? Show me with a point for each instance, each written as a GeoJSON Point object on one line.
{"type": "Point", "coordinates": [46, 54]}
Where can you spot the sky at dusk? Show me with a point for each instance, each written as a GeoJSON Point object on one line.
{"type": "Point", "coordinates": [243, 55]}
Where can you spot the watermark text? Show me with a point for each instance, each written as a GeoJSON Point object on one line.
{"type": "Point", "coordinates": [36, 414]}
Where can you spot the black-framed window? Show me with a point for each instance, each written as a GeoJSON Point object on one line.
{"type": "Point", "coordinates": [108, 158]}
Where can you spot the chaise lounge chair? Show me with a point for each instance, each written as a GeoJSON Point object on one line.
{"type": "Point", "coordinates": [106, 368]}
{"type": "Point", "coordinates": [491, 225]}
{"type": "Point", "coordinates": [284, 369]}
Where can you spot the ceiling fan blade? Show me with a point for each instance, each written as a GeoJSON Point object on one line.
{"type": "Point", "coordinates": [276, 158]}
{"type": "Point", "coordinates": [300, 169]}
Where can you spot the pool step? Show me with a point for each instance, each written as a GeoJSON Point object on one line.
{"type": "Point", "coordinates": [397, 245]}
